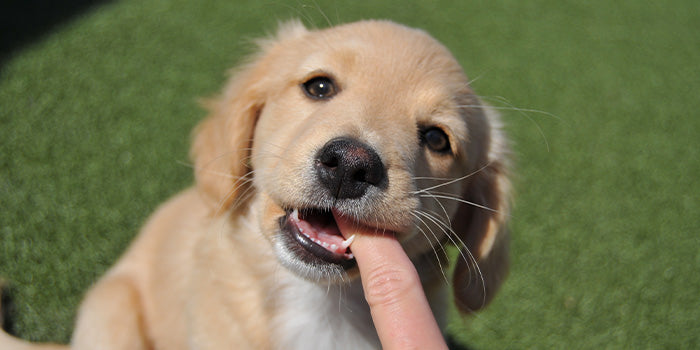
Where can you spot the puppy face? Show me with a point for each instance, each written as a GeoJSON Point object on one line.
{"type": "Point", "coordinates": [371, 121]}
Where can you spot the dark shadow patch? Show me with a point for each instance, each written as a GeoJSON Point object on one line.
{"type": "Point", "coordinates": [25, 21]}
{"type": "Point", "coordinates": [452, 344]}
{"type": "Point", "coordinates": [8, 311]}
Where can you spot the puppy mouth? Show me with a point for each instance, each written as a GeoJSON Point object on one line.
{"type": "Point", "coordinates": [313, 235]}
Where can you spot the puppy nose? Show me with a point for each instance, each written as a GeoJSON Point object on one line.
{"type": "Point", "coordinates": [348, 167]}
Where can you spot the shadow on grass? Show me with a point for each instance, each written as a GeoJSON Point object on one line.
{"type": "Point", "coordinates": [452, 344]}
{"type": "Point", "coordinates": [7, 307]}
{"type": "Point", "coordinates": [25, 21]}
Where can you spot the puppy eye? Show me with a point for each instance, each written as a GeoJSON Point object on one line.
{"type": "Point", "coordinates": [436, 140]}
{"type": "Point", "coordinates": [320, 88]}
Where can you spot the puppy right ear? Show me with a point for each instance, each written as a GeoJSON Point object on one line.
{"type": "Point", "coordinates": [221, 146]}
{"type": "Point", "coordinates": [222, 142]}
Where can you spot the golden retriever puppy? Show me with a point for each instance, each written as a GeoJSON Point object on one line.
{"type": "Point", "coordinates": [369, 120]}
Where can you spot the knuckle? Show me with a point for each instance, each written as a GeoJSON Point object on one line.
{"type": "Point", "coordinates": [386, 285]}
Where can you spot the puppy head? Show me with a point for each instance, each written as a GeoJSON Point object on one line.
{"type": "Point", "coordinates": [371, 121]}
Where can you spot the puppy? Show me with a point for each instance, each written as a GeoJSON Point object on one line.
{"type": "Point", "coordinates": [372, 121]}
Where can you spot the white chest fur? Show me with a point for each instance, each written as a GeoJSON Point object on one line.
{"type": "Point", "coordinates": [312, 316]}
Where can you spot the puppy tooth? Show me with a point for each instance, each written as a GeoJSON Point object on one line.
{"type": "Point", "coordinates": [324, 244]}
{"type": "Point", "coordinates": [334, 246]}
{"type": "Point", "coordinates": [295, 215]}
{"type": "Point", "coordinates": [346, 243]}
{"type": "Point", "coordinates": [349, 256]}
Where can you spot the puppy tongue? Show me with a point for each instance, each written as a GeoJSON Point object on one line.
{"type": "Point", "coordinates": [321, 232]}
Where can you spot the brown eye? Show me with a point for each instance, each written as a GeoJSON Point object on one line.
{"type": "Point", "coordinates": [436, 140]}
{"type": "Point", "coordinates": [319, 88]}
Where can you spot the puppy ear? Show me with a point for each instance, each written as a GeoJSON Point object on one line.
{"type": "Point", "coordinates": [482, 228]}
{"type": "Point", "coordinates": [222, 142]}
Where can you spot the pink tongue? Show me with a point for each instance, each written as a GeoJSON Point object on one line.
{"type": "Point", "coordinates": [327, 236]}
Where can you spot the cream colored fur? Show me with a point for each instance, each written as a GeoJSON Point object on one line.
{"type": "Point", "coordinates": [208, 270]}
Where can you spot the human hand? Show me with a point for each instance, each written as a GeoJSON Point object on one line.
{"type": "Point", "coordinates": [400, 310]}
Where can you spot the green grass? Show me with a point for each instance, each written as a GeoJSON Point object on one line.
{"type": "Point", "coordinates": [95, 119]}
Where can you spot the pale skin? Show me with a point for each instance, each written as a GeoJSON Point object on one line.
{"type": "Point", "coordinates": [400, 310]}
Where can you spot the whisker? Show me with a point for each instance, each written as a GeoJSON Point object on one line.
{"type": "Point", "coordinates": [437, 241]}
{"type": "Point", "coordinates": [213, 172]}
{"type": "Point", "coordinates": [453, 180]}
{"type": "Point", "coordinates": [184, 163]}
{"type": "Point", "coordinates": [318, 8]}
{"type": "Point", "coordinates": [243, 197]}
{"type": "Point", "coordinates": [448, 231]}
{"type": "Point", "coordinates": [513, 108]}
{"type": "Point", "coordinates": [433, 178]}
{"type": "Point", "coordinates": [461, 201]}
{"type": "Point", "coordinates": [240, 182]}
{"type": "Point", "coordinates": [263, 155]}
{"type": "Point", "coordinates": [266, 142]}
{"type": "Point", "coordinates": [461, 248]}
{"type": "Point", "coordinates": [453, 237]}
{"type": "Point", "coordinates": [302, 11]}
{"type": "Point", "coordinates": [522, 111]}
{"type": "Point", "coordinates": [444, 193]}
{"type": "Point", "coordinates": [472, 80]}
{"type": "Point", "coordinates": [444, 210]}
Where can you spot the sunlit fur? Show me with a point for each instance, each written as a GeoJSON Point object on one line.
{"type": "Point", "coordinates": [209, 271]}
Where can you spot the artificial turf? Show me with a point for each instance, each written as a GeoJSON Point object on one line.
{"type": "Point", "coordinates": [95, 117]}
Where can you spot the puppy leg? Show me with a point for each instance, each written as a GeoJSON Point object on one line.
{"type": "Point", "coordinates": [111, 317]}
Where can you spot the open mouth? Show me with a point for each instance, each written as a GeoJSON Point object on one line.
{"type": "Point", "coordinates": [316, 232]}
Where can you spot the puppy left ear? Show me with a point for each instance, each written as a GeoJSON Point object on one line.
{"type": "Point", "coordinates": [222, 142]}
{"type": "Point", "coordinates": [482, 228]}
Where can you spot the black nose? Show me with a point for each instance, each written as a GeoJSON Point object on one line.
{"type": "Point", "coordinates": [347, 167]}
